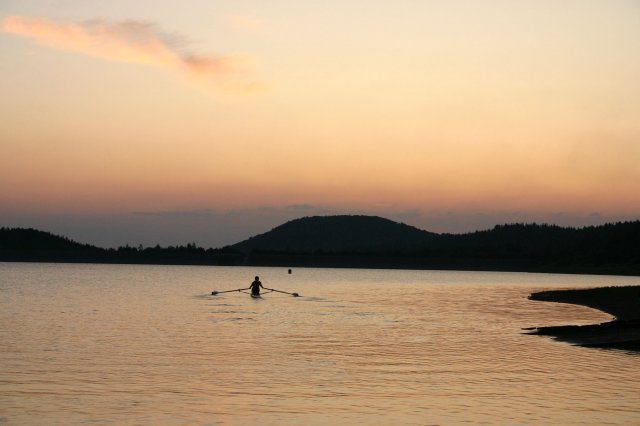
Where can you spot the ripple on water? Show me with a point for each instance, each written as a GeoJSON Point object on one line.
{"type": "Point", "coordinates": [97, 343]}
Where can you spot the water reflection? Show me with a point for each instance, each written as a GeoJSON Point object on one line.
{"type": "Point", "coordinates": [150, 345]}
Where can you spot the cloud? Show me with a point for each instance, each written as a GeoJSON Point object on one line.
{"type": "Point", "coordinates": [137, 42]}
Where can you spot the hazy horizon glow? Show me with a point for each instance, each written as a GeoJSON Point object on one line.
{"type": "Point", "coordinates": [451, 116]}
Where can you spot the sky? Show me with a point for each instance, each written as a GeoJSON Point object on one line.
{"type": "Point", "coordinates": [169, 122]}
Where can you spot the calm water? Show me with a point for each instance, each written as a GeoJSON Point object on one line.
{"type": "Point", "coordinates": [101, 344]}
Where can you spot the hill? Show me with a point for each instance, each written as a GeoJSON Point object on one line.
{"type": "Point", "coordinates": [339, 234]}
{"type": "Point", "coordinates": [32, 244]}
{"type": "Point", "coordinates": [370, 242]}
{"type": "Point", "coordinates": [33, 239]}
{"type": "Point", "coordinates": [367, 241]}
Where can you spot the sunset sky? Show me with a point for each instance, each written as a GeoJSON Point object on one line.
{"type": "Point", "coordinates": [210, 121]}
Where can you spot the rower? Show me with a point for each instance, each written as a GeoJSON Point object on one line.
{"type": "Point", "coordinates": [255, 286]}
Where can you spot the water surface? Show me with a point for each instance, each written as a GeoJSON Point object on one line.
{"type": "Point", "coordinates": [128, 344]}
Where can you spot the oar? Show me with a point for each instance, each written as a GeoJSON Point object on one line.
{"type": "Point", "coordinates": [279, 291]}
{"type": "Point", "coordinates": [213, 293]}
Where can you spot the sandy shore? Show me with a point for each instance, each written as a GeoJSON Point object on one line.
{"type": "Point", "coordinates": [621, 302]}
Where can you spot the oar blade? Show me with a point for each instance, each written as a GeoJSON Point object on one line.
{"type": "Point", "coordinates": [284, 292]}
{"type": "Point", "coordinates": [215, 292]}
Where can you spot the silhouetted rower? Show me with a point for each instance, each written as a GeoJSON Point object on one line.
{"type": "Point", "coordinates": [255, 286]}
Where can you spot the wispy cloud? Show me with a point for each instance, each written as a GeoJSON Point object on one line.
{"type": "Point", "coordinates": [137, 42]}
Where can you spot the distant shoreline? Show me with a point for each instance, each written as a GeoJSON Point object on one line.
{"type": "Point", "coordinates": [368, 242]}
{"type": "Point", "coordinates": [363, 264]}
{"type": "Point", "coordinates": [623, 303]}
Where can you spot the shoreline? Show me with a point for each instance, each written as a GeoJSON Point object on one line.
{"type": "Point", "coordinates": [327, 265]}
{"type": "Point", "coordinates": [623, 303]}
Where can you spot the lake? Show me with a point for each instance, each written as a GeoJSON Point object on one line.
{"type": "Point", "coordinates": [133, 344]}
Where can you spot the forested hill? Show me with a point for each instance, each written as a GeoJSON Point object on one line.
{"type": "Point", "coordinates": [370, 242]}
{"type": "Point", "coordinates": [375, 242]}
{"type": "Point", "coordinates": [21, 239]}
{"type": "Point", "coordinates": [31, 245]}
{"type": "Point", "coordinates": [339, 234]}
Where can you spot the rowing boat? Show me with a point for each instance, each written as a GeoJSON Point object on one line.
{"type": "Point", "coordinates": [255, 296]}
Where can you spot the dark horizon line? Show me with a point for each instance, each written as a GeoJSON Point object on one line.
{"type": "Point", "coordinates": [194, 245]}
{"type": "Point", "coordinates": [369, 242]}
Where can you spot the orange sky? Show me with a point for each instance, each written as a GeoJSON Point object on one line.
{"type": "Point", "coordinates": [412, 110]}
